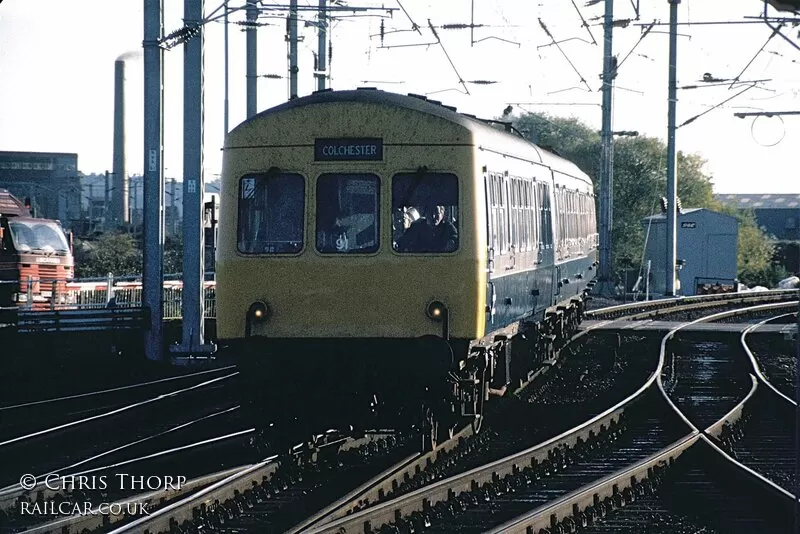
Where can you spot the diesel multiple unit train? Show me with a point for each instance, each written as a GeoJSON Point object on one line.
{"type": "Point", "coordinates": [384, 259]}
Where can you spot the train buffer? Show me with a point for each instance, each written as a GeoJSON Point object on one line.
{"type": "Point", "coordinates": [666, 326]}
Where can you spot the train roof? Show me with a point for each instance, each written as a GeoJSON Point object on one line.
{"type": "Point", "coordinates": [422, 104]}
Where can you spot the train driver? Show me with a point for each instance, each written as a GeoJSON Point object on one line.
{"type": "Point", "coordinates": [432, 233]}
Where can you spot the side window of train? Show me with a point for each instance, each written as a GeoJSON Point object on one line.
{"type": "Point", "coordinates": [271, 213]}
{"type": "Point", "coordinates": [546, 225]}
{"type": "Point", "coordinates": [425, 212]}
{"type": "Point", "coordinates": [536, 238]}
{"type": "Point", "coordinates": [515, 211]}
{"type": "Point", "coordinates": [526, 215]}
{"type": "Point", "coordinates": [348, 213]}
{"type": "Point", "coordinates": [498, 211]}
{"type": "Point", "coordinates": [491, 225]}
{"type": "Point", "coordinates": [520, 214]}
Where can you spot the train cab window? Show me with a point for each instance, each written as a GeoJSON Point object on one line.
{"type": "Point", "coordinates": [348, 213]}
{"type": "Point", "coordinates": [45, 237]}
{"type": "Point", "coordinates": [271, 213]}
{"type": "Point", "coordinates": [425, 212]}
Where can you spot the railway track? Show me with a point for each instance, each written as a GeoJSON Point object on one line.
{"type": "Point", "coordinates": [758, 434]}
{"type": "Point", "coordinates": [584, 383]}
{"type": "Point", "coordinates": [758, 428]}
{"type": "Point", "coordinates": [263, 484]}
{"type": "Point", "coordinates": [776, 358]}
{"type": "Point", "coordinates": [669, 307]}
{"type": "Point", "coordinates": [764, 438]}
{"type": "Point", "coordinates": [278, 492]}
{"type": "Point", "coordinates": [645, 428]}
{"type": "Point", "coordinates": [560, 457]}
{"type": "Point", "coordinates": [442, 500]}
{"type": "Point", "coordinates": [192, 428]}
{"type": "Point", "coordinates": [118, 433]}
{"type": "Point", "coordinates": [34, 415]}
{"type": "Point", "coordinates": [687, 488]}
{"type": "Point", "coordinates": [692, 486]}
{"type": "Point", "coordinates": [223, 503]}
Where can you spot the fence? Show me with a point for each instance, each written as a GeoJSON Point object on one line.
{"type": "Point", "coordinates": [94, 294]}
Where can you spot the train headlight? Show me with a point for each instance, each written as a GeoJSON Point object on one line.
{"type": "Point", "coordinates": [259, 312]}
{"type": "Point", "coordinates": [436, 310]}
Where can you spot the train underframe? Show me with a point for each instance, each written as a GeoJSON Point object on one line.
{"type": "Point", "coordinates": [296, 388]}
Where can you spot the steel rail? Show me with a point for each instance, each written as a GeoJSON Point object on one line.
{"type": "Point", "coordinates": [771, 486]}
{"type": "Point", "coordinates": [227, 488]}
{"type": "Point", "coordinates": [115, 390]}
{"type": "Point", "coordinates": [380, 485]}
{"type": "Point", "coordinates": [418, 499]}
{"type": "Point", "coordinates": [11, 495]}
{"type": "Point", "coordinates": [223, 486]}
{"type": "Point", "coordinates": [661, 306]}
{"type": "Point", "coordinates": [572, 505]}
{"type": "Point", "coordinates": [709, 434]}
{"type": "Point", "coordinates": [375, 490]}
{"type": "Point", "coordinates": [118, 410]}
{"type": "Point", "coordinates": [734, 414]}
{"type": "Point", "coordinates": [756, 367]}
{"type": "Point", "coordinates": [443, 490]}
{"type": "Point", "coordinates": [665, 303]}
{"type": "Point", "coordinates": [96, 520]}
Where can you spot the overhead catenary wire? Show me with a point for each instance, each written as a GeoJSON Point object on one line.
{"type": "Point", "coordinates": [692, 119]}
{"type": "Point", "coordinates": [641, 38]}
{"type": "Point", "coordinates": [571, 64]}
{"type": "Point", "coordinates": [439, 41]}
{"type": "Point", "coordinates": [636, 7]}
{"type": "Point", "coordinates": [766, 21]}
{"type": "Point", "coordinates": [584, 24]}
{"type": "Point", "coordinates": [414, 25]}
{"type": "Point", "coordinates": [774, 32]}
{"type": "Point", "coordinates": [405, 6]}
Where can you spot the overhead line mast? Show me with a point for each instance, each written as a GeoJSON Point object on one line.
{"type": "Point", "coordinates": [605, 286]}
{"type": "Point", "coordinates": [672, 167]}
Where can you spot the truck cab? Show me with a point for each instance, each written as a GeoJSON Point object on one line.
{"type": "Point", "coordinates": [35, 257]}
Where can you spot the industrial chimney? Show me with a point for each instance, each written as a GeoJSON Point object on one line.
{"type": "Point", "coordinates": [119, 184]}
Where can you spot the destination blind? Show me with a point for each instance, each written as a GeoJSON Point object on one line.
{"type": "Point", "coordinates": [352, 149]}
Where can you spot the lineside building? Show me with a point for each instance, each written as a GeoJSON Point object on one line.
{"type": "Point", "coordinates": [707, 251]}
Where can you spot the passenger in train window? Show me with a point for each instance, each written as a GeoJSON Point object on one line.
{"type": "Point", "coordinates": [432, 233]}
{"type": "Point", "coordinates": [410, 216]}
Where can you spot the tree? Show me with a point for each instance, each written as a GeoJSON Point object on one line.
{"type": "Point", "coordinates": [758, 261]}
{"type": "Point", "coordinates": [639, 176]}
{"type": "Point", "coordinates": [112, 252]}
{"type": "Point", "coordinates": [121, 254]}
{"type": "Point", "coordinates": [173, 254]}
{"type": "Point", "coordinates": [640, 180]}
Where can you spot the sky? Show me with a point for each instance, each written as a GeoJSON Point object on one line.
{"type": "Point", "coordinates": [57, 74]}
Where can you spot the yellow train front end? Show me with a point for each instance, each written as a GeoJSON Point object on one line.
{"type": "Point", "coordinates": [350, 278]}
